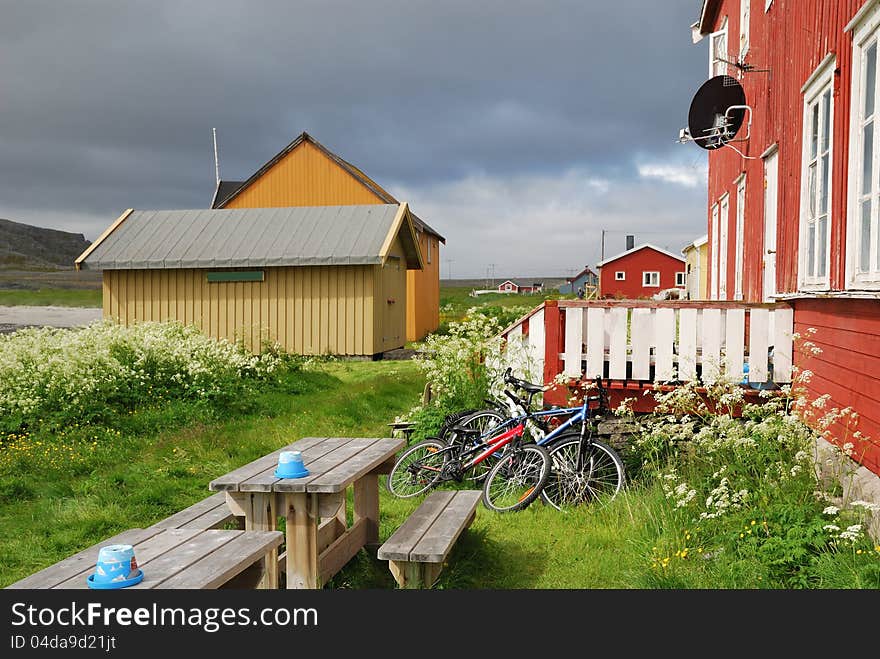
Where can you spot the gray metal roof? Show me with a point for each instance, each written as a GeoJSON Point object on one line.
{"type": "Point", "coordinates": [248, 237]}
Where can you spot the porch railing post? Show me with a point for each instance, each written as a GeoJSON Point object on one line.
{"type": "Point", "coordinates": [554, 330]}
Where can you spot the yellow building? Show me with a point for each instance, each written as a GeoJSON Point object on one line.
{"type": "Point", "coordinates": [317, 280]}
{"type": "Point", "coordinates": [306, 173]}
{"type": "Point", "coordinates": [696, 256]}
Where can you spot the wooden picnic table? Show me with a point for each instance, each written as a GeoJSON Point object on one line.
{"type": "Point", "coordinates": [173, 558]}
{"type": "Point", "coordinates": [319, 540]}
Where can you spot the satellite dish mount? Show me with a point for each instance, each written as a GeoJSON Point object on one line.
{"type": "Point", "coordinates": [717, 113]}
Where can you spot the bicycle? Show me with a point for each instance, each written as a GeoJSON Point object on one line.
{"type": "Point", "coordinates": [513, 482]}
{"type": "Point", "coordinates": [584, 469]}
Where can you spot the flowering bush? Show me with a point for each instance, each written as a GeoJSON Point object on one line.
{"type": "Point", "coordinates": [88, 373]}
{"type": "Point", "coordinates": [745, 476]}
{"type": "Point", "coordinates": [463, 367]}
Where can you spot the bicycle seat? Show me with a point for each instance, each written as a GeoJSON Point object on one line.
{"type": "Point", "coordinates": [531, 388]}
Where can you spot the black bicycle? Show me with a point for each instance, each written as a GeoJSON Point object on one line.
{"type": "Point", "coordinates": [518, 472]}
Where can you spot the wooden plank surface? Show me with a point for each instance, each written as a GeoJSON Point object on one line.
{"type": "Point", "coordinates": [183, 556]}
{"type": "Point", "coordinates": [641, 336]}
{"type": "Point", "coordinates": [344, 449]}
{"type": "Point", "coordinates": [437, 541]}
{"type": "Point", "coordinates": [313, 459]}
{"type": "Point", "coordinates": [595, 343]}
{"type": "Point", "coordinates": [218, 567]}
{"type": "Point", "coordinates": [711, 352]}
{"type": "Point", "coordinates": [231, 480]}
{"type": "Point", "coordinates": [81, 562]}
{"type": "Point", "coordinates": [400, 543]}
{"type": "Point", "coordinates": [344, 474]}
{"type": "Point", "coordinates": [212, 519]}
{"type": "Point", "coordinates": [734, 343]}
{"type": "Point", "coordinates": [145, 552]}
{"type": "Point", "coordinates": [574, 339]}
{"type": "Point", "coordinates": [191, 513]}
{"type": "Point", "coordinates": [664, 338]}
{"type": "Point", "coordinates": [617, 343]}
{"type": "Point", "coordinates": [759, 340]}
{"type": "Point", "coordinates": [782, 345]}
{"type": "Point", "coordinates": [687, 344]}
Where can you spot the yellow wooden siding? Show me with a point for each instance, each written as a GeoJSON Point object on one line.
{"type": "Point", "coordinates": [307, 177]}
{"type": "Point", "coordinates": [304, 177]}
{"type": "Point", "coordinates": [389, 317]}
{"type": "Point", "coordinates": [308, 310]}
{"type": "Point", "coordinates": [697, 259]}
{"type": "Point", "coordinates": [423, 292]}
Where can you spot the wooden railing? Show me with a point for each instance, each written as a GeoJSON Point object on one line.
{"type": "Point", "coordinates": [650, 342]}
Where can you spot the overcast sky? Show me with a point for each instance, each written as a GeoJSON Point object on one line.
{"type": "Point", "coordinates": [518, 130]}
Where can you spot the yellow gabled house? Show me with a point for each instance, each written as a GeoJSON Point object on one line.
{"type": "Point", "coordinates": [306, 173]}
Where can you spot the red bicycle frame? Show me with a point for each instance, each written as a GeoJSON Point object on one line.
{"type": "Point", "coordinates": [496, 443]}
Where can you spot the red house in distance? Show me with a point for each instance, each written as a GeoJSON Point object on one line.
{"type": "Point", "coordinates": [640, 272]}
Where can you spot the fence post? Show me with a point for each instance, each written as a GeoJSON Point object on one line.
{"type": "Point", "coordinates": [553, 333]}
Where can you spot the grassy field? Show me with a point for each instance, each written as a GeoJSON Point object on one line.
{"type": "Point", "coordinates": [163, 459]}
{"type": "Point", "coordinates": [456, 300]}
{"type": "Point", "coordinates": [55, 297]}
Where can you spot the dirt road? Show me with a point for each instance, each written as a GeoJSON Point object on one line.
{"type": "Point", "coordinates": [12, 318]}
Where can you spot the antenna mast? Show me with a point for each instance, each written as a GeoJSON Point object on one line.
{"type": "Point", "coordinates": [216, 159]}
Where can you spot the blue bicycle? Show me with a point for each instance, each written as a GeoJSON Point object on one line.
{"type": "Point", "coordinates": [583, 468]}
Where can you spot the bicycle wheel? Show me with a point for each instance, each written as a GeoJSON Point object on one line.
{"type": "Point", "coordinates": [517, 478]}
{"type": "Point", "coordinates": [599, 477]}
{"type": "Point", "coordinates": [484, 421]}
{"type": "Point", "coordinates": [452, 420]}
{"type": "Point", "coordinates": [418, 469]}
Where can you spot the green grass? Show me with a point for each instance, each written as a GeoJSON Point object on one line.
{"type": "Point", "coordinates": [57, 297]}
{"type": "Point", "coordinates": [456, 300]}
{"type": "Point", "coordinates": [162, 460]}
{"type": "Point", "coordinates": [157, 465]}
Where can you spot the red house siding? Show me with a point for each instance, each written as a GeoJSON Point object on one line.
{"type": "Point", "coordinates": [634, 264]}
{"type": "Point", "coordinates": [789, 42]}
{"type": "Point", "coordinates": [848, 368]}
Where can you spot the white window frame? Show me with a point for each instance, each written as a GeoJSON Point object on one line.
{"type": "Point", "coordinates": [650, 275]}
{"type": "Point", "coordinates": [620, 275]}
{"type": "Point", "coordinates": [866, 34]}
{"type": "Point", "coordinates": [744, 25]}
{"type": "Point", "coordinates": [681, 279]}
{"type": "Point", "coordinates": [723, 229]}
{"type": "Point", "coordinates": [430, 244]}
{"type": "Point", "coordinates": [715, 251]}
{"type": "Point", "coordinates": [819, 86]}
{"type": "Point", "coordinates": [739, 237]}
{"type": "Point", "coordinates": [717, 68]}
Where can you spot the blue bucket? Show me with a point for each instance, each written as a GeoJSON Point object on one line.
{"type": "Point", "coordinates": [116, 568]}
{"type": "Point", "coordinates": [290, 465]}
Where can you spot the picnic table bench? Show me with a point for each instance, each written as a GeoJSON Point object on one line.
{"type": "Point", "coordinates": [417, 550]}
{"type": "Point", "coordinates": [210, 513]}
{"type": "Point", "coordinates": [318, 539]}
{"type": "Point", "coordinates": [183, 558]}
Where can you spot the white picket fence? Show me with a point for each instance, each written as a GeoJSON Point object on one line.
{"type": "Point", "coordinates": [665, 341]}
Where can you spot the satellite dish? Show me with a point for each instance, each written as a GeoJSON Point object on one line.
{"type": "Point", "coordinates": [717, 112]}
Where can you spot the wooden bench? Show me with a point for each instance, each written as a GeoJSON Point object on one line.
{"type": "Point", "coordinates": [189, 558]}
{"type": "Point", "coordinates": [405, 427]}
{"type": "Point", "coordinates": [210, 513]}
{"type": "Point", "coordinates": [416, 551]}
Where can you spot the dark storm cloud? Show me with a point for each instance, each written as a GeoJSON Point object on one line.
{"type": "Point", "coordinates": [110, 105]}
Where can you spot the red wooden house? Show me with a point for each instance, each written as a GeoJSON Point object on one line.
{"type": "Point", "coordinates": [510, 286]}
{"type": "Point", "coordinates": [794, 204]}
{"type": "Point", "coordinates": [640, 272]}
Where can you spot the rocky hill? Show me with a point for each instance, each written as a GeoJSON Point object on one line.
{"type": "Point", "coordinates": [26, 247]}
